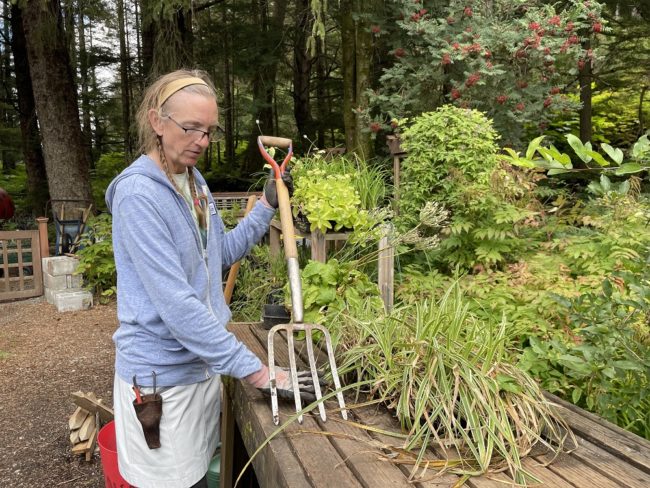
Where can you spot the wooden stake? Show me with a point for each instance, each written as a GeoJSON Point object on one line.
{"type": "Point", "coordinates": [77, 418]}
{"type": "Point", "coordinates": [87, 428]}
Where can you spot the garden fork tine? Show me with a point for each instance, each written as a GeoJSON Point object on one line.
{"type": "Point", "coordinates": [293, 271]}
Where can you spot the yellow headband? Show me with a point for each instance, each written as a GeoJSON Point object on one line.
{"type": "Point", "coordinates": [176, 85]}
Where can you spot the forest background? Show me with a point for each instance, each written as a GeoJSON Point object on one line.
{"type": "Point", "coordinates": [328, 74]}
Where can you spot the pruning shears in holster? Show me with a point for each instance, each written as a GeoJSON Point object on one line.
{"type": "Point", "coordinates": [148, 409]}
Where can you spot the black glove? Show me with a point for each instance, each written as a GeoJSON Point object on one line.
{"type": "Point", "coordinates": [284, 384]}
{"type": "Point", "coordinates": [270, 192]}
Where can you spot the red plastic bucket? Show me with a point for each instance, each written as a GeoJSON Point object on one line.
{"type": "Point", "coordinates": [108, 453]}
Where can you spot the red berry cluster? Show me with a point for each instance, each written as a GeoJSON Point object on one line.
{"type": "Point", "coordinates": [555, 20]}
{"type": "Point", "coordinates": [472, 79]}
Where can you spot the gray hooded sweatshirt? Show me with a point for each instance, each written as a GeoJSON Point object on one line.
{"type": "Point", "coordinates": [171, 309]}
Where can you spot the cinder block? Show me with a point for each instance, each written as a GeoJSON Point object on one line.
{"type": "Point", "coordinates": [60, 265]}
{"type": "Point", "coordinates": [73, 299]}
{"type": "Point", "coordinates": [49, 295]}
{"type": "Point", "coordinates": [61, 282]}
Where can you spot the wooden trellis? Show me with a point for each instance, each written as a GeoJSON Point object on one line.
{"type": "Point", "coordinates": [20, 271]}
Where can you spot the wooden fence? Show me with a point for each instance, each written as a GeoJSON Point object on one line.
{"type": "Point", "coordinates": [20, 271]}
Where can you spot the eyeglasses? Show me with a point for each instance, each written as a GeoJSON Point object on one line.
{"type": "Point", "coordinates": [213, 135]}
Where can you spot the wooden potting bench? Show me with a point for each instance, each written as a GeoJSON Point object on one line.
{"type": "Point", "coordinates": [336, 454]}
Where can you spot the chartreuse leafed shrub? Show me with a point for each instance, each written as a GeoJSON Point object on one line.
{"type": "Point", "coordinates": [340, 194]}
{"type": "Point", "coordinates": [96, 261]}
{"type": "Point", "coordinates": [452, 159]}
{"type": "Point", "coordinates": [447, 376]}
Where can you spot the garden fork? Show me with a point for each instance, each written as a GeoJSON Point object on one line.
{"type": "Point", "coordinates": [293, 271]}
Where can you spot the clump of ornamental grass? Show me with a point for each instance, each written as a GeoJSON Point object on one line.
{"type": "Point", "coordinates": [448, 378]}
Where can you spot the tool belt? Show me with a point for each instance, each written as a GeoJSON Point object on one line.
{"type": "Point", "coordinates": [148, 409]}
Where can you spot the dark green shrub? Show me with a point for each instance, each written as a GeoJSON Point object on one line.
{"type": "Point", "coordinates": [96, 261]}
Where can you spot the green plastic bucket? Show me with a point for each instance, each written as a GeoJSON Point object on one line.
{"type": "Point", "coordinates": [213, 471]}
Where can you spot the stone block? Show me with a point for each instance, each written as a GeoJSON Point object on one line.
{"type": "Point", "coordinates": [73, 299]}
{"type": "Point", "coordinates": [61, 282]}
{"type": "Point", "coordinates": [49, 295]}
{"type": "Point", "coordinates": [60, 265]}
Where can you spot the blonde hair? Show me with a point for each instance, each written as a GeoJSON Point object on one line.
{"type": "Point", "coordinates": [156, 97]}
{"type": "Point", "coordinates": [151, 99]}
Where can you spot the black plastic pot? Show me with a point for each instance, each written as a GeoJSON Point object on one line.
{"type": "Point", "coordinates": [274, 315]}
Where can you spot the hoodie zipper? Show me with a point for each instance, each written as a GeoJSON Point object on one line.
{"type": "Point", "coordinates": [197, 234]}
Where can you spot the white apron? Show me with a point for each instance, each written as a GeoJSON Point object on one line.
{"type": "Point", "coordinates": [189, 433]}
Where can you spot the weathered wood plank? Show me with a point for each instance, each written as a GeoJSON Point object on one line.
{"type": "Point", "coordinates": [624, 445]}
{"type": "Point", "coordinates": [600, 460]}
{"type": "Point", "coordinates": [379, 418]}
{"type": "Point", "coordinates": [547, 476]}
{"type": "Point", "coordinates": [276, 465]}
{"type": "Point", "coordinates": [352, 444]}
{"type": "Point", "coordinates": [577, 473]}
{"type": "Point", "coordinates": [87, 428]}
{"type": "Point", "coordinates": [227, 437]}
{"type": "Point", "coordinates": [90, 403]}
{"type": "Point", "coordinates": [325, 465]}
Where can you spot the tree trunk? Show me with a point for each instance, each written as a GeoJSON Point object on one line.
{"type": "Point", "coordinates": [321, 93]}
{"type": "Point", "coordinates": [356, 42]}
{"type": "Point", "coordinates": [31, 145]}
{"type": "Point", "coordinates": [138, 46]}
{"type": "Point", "coordinates": [56, 101]}
{"type": "Point", "coordinates": [302, 62]}
{"type": "Point", "coordinates": [584, 78]}
{"type": "Point", "coordinates": [348, 47]}
{"type": "Point", "coordinates": [68, 14]}
{"type": "Point", "coordinates": [267, 60]}
{"type": "Point", "coordinates": [641, 121]}
{"type": "Point", "coordinates": [167, 39]}
{"type": "Point", "coordinates": [124, 84]}
{"type": "Point", "coordinates": [363, 56]}
{"type": "Point", "coordinates": [6, 114]}
{"type": "Point", "coordinates": [227, 111]}
{"type": "Point", "coordinates": [148, 35]}
{"type": "Point", "coordinates": [83, 79]}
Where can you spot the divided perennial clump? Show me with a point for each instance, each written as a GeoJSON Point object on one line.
{"type": "Point", "coordinates": [447, 377]}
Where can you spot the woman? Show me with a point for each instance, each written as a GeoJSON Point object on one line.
{"type": "Point", "coordinates": [170, 250]}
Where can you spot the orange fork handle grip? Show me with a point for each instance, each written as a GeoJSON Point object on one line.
{"type": "Point", "coordinates": [281, 142]}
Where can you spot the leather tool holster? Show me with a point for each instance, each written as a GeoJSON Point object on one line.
{"type": "Point", "coordinates": [149, 413]}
